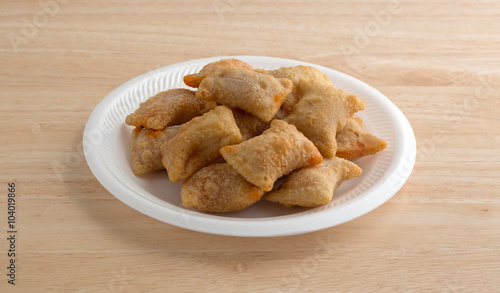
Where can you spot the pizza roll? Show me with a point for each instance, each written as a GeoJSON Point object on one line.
{"type": "Point", "coordinates": [243, 88]}
{"type": "Point", "coordinates": [145, 148]}
{"type": "Point", "coordinates": [198, 143]}
{"type": "Point", "coordinates": [172, 107]}
{"type": "Point", "coordinates": [278, 151]}
{"type": "Point", "coordinates": [298, 75]}
{"type": "Point", "coordinates": [314, 186]}
{"type": "Point", "coordinates": [218, 188]}
{"type": "Point", "coordinates": [353, 142]}
{"type": "Point", "coordinates": [214, 69]}
{"type": "Point", "coordinates": [322, 112]}
{"type": "Point", "coordinates": [248, 124]}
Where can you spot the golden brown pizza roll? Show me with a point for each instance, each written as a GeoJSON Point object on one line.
{"type": "Point", "coordinates": [218, 188]}
{"type": "Point", "coordinates": [198, 143]}
{"type": "Point", "coordinates": [278, 151]}
{"type": "Point", "coordinates": [214, 69]}
{"type": "Point", "coordinates": [314, 186]}
{"type": "Point", "coordinates": [322, 112]}
{"type": "Point", "coordinates": [248, 124]}
{"type": "Point", "coordinates": [298, 75]}
{"type": "Point", "coordinates": [243, 88]}
{"type": "Point", "coordinates": [145, 148]}
{"type": "Point", "coordinates": [172, 107]}
{"type": "Point", "coordinates": [353, 142]}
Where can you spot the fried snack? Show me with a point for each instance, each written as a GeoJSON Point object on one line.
{"type": "Point", "coordinates": [218, 188]}
{"type": "Point", "coordinates": [322, 112]}
{"type": "Point", "coordinates": [278, 151]}
{"type": "Point", "coordinates": [239, 86]}
{"type": "Point", "coordinates": [314, 186]}
{"type": "Point", "coordinates": [198, 143]}
{"type": "Point", "coordinates": [248, 124]}
{"type": "Point", "coordinates": [353, 142]}
{"type": "Point", "coordinates": [172, 107]}
{"type": "Point", "coordinates": [298, 75]}
{"type": "Point", "coordinates": [214, 69]}
{"type": "Point", "coordinates": [145, 148]}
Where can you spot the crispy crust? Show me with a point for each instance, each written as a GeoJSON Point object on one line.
{"type": "Point", "coordinates": [248, 124]}
{"type": "Point", "coordinates": [353, 142]}
{"type": "Point", "coordinates": [322, 112]}
{"type": "Point", "coordinates": [215, 69]}
{"type": "Point", "coordinates": [278, 151]}
{"type": "Point", "coordinates": [198, 143]}
{"type": "Point", "coordinates": [145, 148]}
{"type": "Point", "coordinates": [236, 85]}
{"type": "Point", "coordinates": [298, 75]}
{"type": "Point", "coordinates": [172, 107]}
{"type": "Point", "coordinates": [314, 186]}
{"type": "Point", "coordinates": [218, 188]}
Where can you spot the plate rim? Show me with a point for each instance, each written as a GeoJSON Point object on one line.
{"type": "Point", "coordinates": [252, 227]}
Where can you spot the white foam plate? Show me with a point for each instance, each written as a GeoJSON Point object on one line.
{"type": "Point", "coordinates": [106, 141]}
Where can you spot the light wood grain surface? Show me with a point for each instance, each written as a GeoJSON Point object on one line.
{"type": "Point", "coordinates": [438, 61]}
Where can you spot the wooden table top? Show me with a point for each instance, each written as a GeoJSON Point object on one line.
{"type": "Point", "coordinates": [438, 61]}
